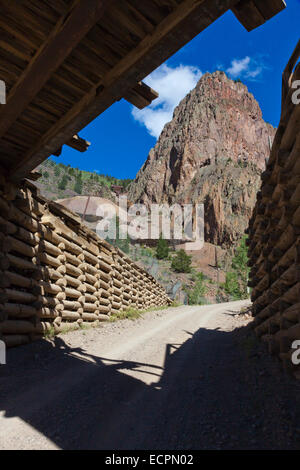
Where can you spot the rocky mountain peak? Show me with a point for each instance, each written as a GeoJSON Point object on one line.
{"type": "Point", "coordinates": [212, 151]}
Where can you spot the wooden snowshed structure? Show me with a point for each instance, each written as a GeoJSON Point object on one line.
{"type": "Point", "coordinates": [274, 230]}
{"type": "Point", "coordinates": [64, 62]}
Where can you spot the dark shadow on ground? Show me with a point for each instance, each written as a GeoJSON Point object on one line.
{"type": "Point", "coordinates": [218, 390]}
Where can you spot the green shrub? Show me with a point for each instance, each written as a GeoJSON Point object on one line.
{"type": "Point", "coordinates": [237, 279]}
{"type": "Point", "coordinates": [196, 295]}
{"type": "Point", "coordinates": [146, 251]}
{"type": "Point", "coordinates": [181, 262]}
{"type": "Point", "coordinates": [232, 286]}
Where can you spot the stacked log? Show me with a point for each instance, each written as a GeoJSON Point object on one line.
{"type": "Point", "coordinates": [90, 283]}
{"type": "Point", "coordinates": [274, 233]}
{"type": "Point", "coordinates": [139, 286]}
{"type": "Point", "coordinates": [52, 262]}
{"type": "Point", "coordinates": [20, 273]}
{"type": "Point", "coordinates": [144, 291]}
{"type": "Point", "coordinates": [106, 262]}
{"type": "Point", "coordinates": [116, 297]}
{"type": "Point", "coordinates": [135, 290]}
{"type": "Point", "coordinates": [126, 282]}
{"type": "Point", "coordinates": [55, 273]}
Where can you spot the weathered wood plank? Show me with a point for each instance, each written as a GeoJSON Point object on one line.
{"type": "Point", "coordinates": [141, 95]}
{"type": "Point", "coordinates": [67, 34]}
{"type": "Point", "coordinates": [248, 14]}
{"type": "Point", "coordinates": [254, 13]}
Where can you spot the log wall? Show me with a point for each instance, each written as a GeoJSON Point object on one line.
{"type": "Point", "coordinates": [274, 233]}
{"type": "Point", "coordinates": [55, 272]}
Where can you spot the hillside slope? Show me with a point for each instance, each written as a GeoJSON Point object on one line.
{"type": "Point", "coordinates": [59, 181]}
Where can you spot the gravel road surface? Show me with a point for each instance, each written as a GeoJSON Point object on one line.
{"type": "Point", "coordinates": [180, 378]}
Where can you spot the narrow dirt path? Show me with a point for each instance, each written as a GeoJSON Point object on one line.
{"type": "Point", "coordinates": [184, 378]}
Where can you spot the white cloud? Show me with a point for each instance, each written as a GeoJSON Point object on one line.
{"type": "Point", "coordinates": [238, 66]}
{"type": "Point", "coordinates": [247, 68]}
{"type": "Point", "coordinates": [255, 72]}
{"type": "Point", "coordinates": [173, 84]}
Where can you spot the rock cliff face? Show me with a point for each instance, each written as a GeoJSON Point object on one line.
{"type": "Point", "coordinates": [213, 151]}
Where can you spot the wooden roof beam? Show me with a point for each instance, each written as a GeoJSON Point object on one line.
{"type": "Point", "coordinates": [79, 144]}
{"type": "Point", "coordinates": [34, 176]}
{"type": "Point", "coordinates": [254, 13]}
{"type": "Point", "coordinates": [76, 143]}
{"type": "Point", "coordinates": [141, 95]}
{"type": "Point", "coordinates": [66, 35]}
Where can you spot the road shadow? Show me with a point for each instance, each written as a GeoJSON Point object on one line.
{"type": "Point", "coordinates": [217, 390]}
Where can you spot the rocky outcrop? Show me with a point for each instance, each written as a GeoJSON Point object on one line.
{"type": "Point", "coordinates": [212, 151]}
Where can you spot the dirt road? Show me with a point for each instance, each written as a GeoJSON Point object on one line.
{"type": "Point", "coordinates": [174, 379]}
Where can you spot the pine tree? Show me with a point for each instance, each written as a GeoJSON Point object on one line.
{"type": "Point", "coordinates": [240, 263]}
{"type": "Point", "coordinates": [237, 279]}
{"type": "Point", "coordinates": [122, 243]}
{"type": "Point", "coordinates": [181, 263]}
{"type": "Point", "coordinates": [63, 183]}
{"type": "Point", "coordinates": [162, 249]}
{"type": "Point", "coordinates": [78, 185]}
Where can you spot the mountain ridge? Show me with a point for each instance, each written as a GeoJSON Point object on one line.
{"type": "Point", "coordinates": [213, 151]}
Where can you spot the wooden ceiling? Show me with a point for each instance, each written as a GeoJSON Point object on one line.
{"type": "Point", "coordinates": [65, 61]}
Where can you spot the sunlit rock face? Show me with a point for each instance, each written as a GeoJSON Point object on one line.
{"type": "Point", "coordinates": [213, 151]}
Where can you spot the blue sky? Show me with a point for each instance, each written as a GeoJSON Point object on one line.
{"type": "Point", "coordinates": [121, 137]}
